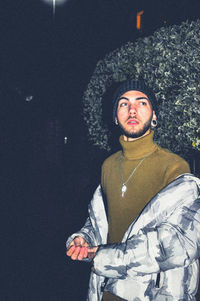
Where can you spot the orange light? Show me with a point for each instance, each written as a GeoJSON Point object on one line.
{"type": "Point", "coordinates": [138, 19]}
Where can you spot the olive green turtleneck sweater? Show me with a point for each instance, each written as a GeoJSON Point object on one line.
{"type": "Point", "coordinates": [158, 169]}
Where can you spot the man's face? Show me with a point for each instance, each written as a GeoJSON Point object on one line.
{"type": "Point", "coordinates": [134, 115]}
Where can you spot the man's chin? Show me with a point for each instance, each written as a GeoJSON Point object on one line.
{"type": "Point", "coordinates": [131, 133]}
{"type": "Point", "coordinates": [134, 135]}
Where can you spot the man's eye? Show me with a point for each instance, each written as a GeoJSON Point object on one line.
{"type": "Point", "coordinates": [123, 104]}
{"type": "Point", "coordinates": [143, 103]}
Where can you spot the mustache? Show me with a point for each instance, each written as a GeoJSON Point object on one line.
{"type": "Point", "coordinates": [129, 118]}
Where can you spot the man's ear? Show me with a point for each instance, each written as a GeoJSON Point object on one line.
{"type": "Point", "coordinates": [154, 120]}
{"type": "Point", "coordinates": [154, 117]}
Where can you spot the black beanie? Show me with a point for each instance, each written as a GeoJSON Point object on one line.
{"type": "Point", "coordinates": [137, 85]}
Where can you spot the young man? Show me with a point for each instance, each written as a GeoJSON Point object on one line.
{"type": "Point", "coordinates": [134, 246]}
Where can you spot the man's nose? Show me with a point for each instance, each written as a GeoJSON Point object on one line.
{"type": "Point", "coordinates": [132, 109]}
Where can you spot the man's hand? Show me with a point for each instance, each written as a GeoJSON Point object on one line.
{"type": "Point", "coordinates": [92, 252]}
{"type": "Point", "coordinates": [79, 249]}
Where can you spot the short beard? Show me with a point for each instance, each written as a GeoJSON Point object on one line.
{"type": "Point", "coordinates": [146, 127]}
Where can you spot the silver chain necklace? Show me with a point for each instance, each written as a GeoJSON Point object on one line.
{"type": "Point", "coordinates": [124, 187]}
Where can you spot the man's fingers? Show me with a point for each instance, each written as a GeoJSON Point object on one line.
{"type": "Point", "coordinates": [78, 252]}
{"type": "Point", "coordinates": [70, 250]}
{"type": "Point", "coordinates": [75, 254]}
{"type": "Point", "coordinates": [83, 253]}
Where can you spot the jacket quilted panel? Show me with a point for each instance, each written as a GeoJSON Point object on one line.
{"type": "Point", "coordinates": [164, 239]}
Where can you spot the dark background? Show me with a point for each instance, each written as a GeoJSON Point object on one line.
{"type": "Point", "coordinates": [46, 63]}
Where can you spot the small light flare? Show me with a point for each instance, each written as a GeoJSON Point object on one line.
{"type": "Point", "coordinates": [54, 7]}
{"type": "Point", "coordinates": [55, 3]}
{"type": "Point", "coordinates": [28, 98]}
{"type": "Point", "coordinates": [138, 20]}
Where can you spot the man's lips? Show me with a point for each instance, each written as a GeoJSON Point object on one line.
{"type": "Point", "coordinates": [132, 121]}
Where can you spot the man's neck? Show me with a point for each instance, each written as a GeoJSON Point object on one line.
{"type": "Point", "coordinates": [138, 148]}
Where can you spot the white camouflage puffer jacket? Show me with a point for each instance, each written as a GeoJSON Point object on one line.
{"type": "Point", "coordinates": [164, 240]}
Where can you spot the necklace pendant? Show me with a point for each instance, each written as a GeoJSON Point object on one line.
{"type": "Point", "coordinates": [124, 188]}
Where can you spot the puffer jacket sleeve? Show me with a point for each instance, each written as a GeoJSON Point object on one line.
{"type": "Point", "coordinates": [87, 232]}
{"type": "Point", "coordinates": [96, 227]}
{"type": "Point", "coordinates": [172, 240]}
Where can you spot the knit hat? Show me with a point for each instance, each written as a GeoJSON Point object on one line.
{"type": "Point", "coordinates": [137, 85]}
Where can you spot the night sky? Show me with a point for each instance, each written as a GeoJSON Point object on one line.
{"type": "Point", "coordinates": [56, 55]}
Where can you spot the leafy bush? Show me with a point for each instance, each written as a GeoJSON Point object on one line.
{"type": "Point", "coordinates": [169, 62]}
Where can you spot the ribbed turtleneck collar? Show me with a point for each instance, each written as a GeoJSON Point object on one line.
{"type": "Point", "coordinates": [139, 148]}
